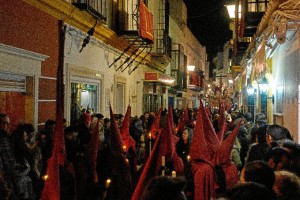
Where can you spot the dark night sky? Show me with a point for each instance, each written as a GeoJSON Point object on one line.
{"type": "Point", "coordinates": [209, 22]}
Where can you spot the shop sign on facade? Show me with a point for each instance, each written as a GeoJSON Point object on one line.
{"type": "Point", "coordinates": [236, 68]}
{"type": "Point", "coordinates": [158, 77]}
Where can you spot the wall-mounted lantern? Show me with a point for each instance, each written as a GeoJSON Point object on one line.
{"type": "Point", "coordinates": [263, 85]}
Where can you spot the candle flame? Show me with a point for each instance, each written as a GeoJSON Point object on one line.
{"type": "Point", "coordinates": [188, 157]}
{"type": "Point", "coordinates": [45, 177]}
{"type": "Point", "coordinates": [173, 174]}
{"type": "Point", "coordinates": [107, 183]}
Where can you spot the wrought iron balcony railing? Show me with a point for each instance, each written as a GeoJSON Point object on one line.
{"type": "Point", "coordinates": [97, 8]}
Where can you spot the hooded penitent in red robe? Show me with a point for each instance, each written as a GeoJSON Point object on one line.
{"type": "Point", "coordinates": [206, 153]}
{"type": "Point", "coordinates": [170, 117]}
{"type": "Point", "coordinates": [51, 188]}
{"type": "Point", "coordinates": [164, 146]}
{"type": "Point", "coordinates": [121, 185]}
{"type": "Point", "coordinates": [168, 147]}
{"type": "Point", "coordinates": [221, 122]}
{"type": "Point", "coordinates": [128, 141]}
{"type": "Point", "coordinates": [184, 120]}
{"type": "Point", "coordinates": [155, 128]}
{"type": "Point", "coordinates": [93, 151]}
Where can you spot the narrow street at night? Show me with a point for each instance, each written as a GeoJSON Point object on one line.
{"type": "Point", "coordinates": [150, 100]}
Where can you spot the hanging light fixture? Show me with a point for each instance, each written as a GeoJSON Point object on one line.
{"type": "Point", "coordinates": [250, 89]}
{"type": "Point", "coordinates": [263, 85]}
{"type": "Point", "coordinates": [191, 68]}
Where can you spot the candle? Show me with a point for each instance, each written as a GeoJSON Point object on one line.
{"type": "Point", "coordinates": [124, 148]}
{"type": "Point", "coordinates": [45, 177]}
{"type": "Point", "coordinates": [163, 161]}
{"type": "Point", "coordinates": [150, 143]}
{"type": "Point", "coordinates": [173, 174]}
{"type": "Point", "coordinates": [188, 158]}
{"type": "Point", "coordinates": [107, 183]}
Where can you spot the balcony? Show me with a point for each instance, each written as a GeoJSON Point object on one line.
{"type": "Point", "coordinates": [97, 8]}
{"type": "Point", "coordinates": [135, 22]}
{"type": "Point", "coordinates": [254, 11]}
{"type": "Point", "coordinates": [195, 81]}
{"type": "Point", "coordinates": [162, 47]}
{"type": "Point", "coordinates": [178, 67]}
{"type": "Point", "coordinates": [252, 20]}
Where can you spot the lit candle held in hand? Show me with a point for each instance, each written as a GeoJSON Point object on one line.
{"type": "Point", "coordinates": [107, 183]}
{"type": "Point", "coordinates": [173, 174]}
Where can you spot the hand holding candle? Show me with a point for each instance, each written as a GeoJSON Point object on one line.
{"type": "Point", "coordinates": [150, 145]}
{"type": "Point", "coordinates": [173, 174]}
{"type": "Point", "coordinates": [163, 164]}
{"type": "Point", "coordinates": [124, 148]}
{"type": "Point", "coordinates": [107, 183]}
{"type": "Point", "coordinates": [163, 161]}
{"type": "Point", "coordinates": [188, 158]}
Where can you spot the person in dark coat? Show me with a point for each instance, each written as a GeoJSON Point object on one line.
{"type": "Point", "coordinates": [259, 149]}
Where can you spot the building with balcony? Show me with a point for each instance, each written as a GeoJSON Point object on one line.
{"type": "Point", "coordinates": [114, 53]}
{"type": "Point", "coordinates": [269, 65]}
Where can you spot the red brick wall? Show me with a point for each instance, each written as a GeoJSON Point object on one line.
{"type": "Point", "coordinates": [26, 27]}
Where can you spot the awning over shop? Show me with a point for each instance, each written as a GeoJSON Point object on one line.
{"type": "Point", "coordinates": [160, 78]}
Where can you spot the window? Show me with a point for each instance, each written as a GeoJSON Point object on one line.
{"type": "Point", "coordinates": [257, 5]}
{"type": "Point", "coordinates": [120, 88]}
{"type": "Point", "coordinates": [84, 96]}
{"type": "Point", "coordinates": [152, 98]}
{"type": "Point", "coordinates": [119, 94]}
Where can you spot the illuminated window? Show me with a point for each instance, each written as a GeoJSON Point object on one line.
{"type": "Point", "coordinates": [257, 5]}
{"type": "Point", "coordinates": [83, 97]}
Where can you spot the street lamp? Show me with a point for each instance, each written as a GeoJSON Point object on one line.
{"type": "Point", "coordinates": [231, 8]}
{"type": "Point", "coordinates": [191, 68]}
{"type": "Point", "coordinates": [251, 100]}
{"type": "Point", "coordinates": [263, 85]}
{"type": "Point", "coordinates": [250, 89]}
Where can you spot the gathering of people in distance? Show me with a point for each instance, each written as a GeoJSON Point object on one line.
{"type": "Point", "coordinates": [201, 154]}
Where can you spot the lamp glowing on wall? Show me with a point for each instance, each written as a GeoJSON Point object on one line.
{"type": "Point", "coordinates": [191, 68]}
{"type": "Point", "coordinates": [231, 11]}
{"type": "Point", "coordinates": [250, 89]}
{"type": "Point", "coordinates": [263, 85]}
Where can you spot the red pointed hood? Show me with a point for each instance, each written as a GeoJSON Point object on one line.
{"type": "Point", "coordinates": [52, 184]}
{"type": "Point", "coordinates": [221, 123]}
{"type": "Point", "coordinates": [150, 170]}
{"type": "Point", "coordinates": [155, 128]}
{"type": "Point", "coordinates": [199, 147]}
{"type": "Point", "coordinates": [207, 109]}
{"type": "Point", "coordinates": [93, 151]}
{"type": "Point", "coordinates": [115, 132]}
{"type": "Point", "coordinates": [224, 151]}
{"type": "Point", "coordinates": [170, 117]}
{"type": "Point", "coordinates": [128, 141]}
{"type": "Point", "coordinates": [168, 147]}
{"type": "Point", "coordinates": [184, 120]}
{"type": "Point", "coordinates": [209, 131]}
